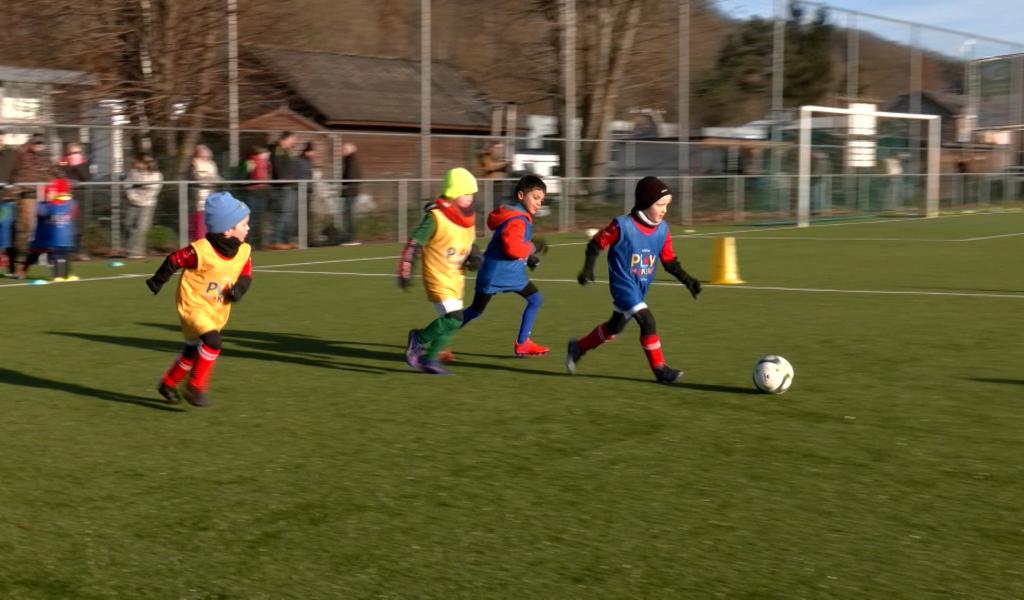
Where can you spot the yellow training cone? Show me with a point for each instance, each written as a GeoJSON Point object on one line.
{"type": "Point", "coordinates": [725, 269]}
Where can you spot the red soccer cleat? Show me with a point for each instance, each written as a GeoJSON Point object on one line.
{"type": "Point", "coordinates": [528, 348]}
{"type": "Point", "coordinates": [446, 356]}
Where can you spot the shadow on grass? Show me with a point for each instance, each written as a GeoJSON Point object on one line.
{"type": "Point", "coordinates": [313, 351]}
{"type": "Point", "coordinates": [279, 351]}
{"type": "Point", "coordinates": [997, 380]}
{"type": "Point", "coordinates": [10, 377]}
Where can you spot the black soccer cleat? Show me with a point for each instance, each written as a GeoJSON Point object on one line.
{"type": "Point", "coordinates": [196, 398]}
{"type": "Point", "coordinates": [666, 374]}
{"type": "Point", "coordinates": [170, 394]}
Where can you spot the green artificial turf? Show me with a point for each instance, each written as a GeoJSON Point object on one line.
{"type": "Point", "coordinates": [328, 469]}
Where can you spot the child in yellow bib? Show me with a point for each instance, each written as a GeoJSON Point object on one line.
{"type": "Point", "coordinates": [445, 237]}
{"type": "Point", "coordinates": [218, 272]}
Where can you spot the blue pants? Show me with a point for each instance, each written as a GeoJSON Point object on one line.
{"type": "Point", "coordinates": [286, 206]}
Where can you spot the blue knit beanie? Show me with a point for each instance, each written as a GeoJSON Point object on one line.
{"type": "Point", "coordinates": [224, 211]}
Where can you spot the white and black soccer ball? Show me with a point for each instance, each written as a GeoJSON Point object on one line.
{"type": "Point", "coordinates": [773, 374]}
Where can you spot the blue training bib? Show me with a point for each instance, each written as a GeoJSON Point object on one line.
{"type": "Point", "coordinates": [633, 261]}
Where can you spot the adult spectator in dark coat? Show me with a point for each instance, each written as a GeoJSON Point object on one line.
{"type": "Point", "coordinates": [32, 166]}
{"type": "Point", "coordinates": [351, 172]}
{"type": "Point", "coordinates": [283, 168]}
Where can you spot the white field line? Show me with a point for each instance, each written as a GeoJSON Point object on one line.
{"type": "Point", "coordinates": [82, 280]}
{"type": "Point", "coordinates": [990, 237]}
{"type": "Point", "coordinates": [338, 260]}
{"type": "Point", "coordinates": [262, 270]}
{"type": "Point", "coordinates": [770, 288]}
{"type": "Point", "coordinates": [716, 233]}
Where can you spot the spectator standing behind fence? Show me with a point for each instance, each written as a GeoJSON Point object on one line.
{"type": "Point", "coordinates": [352, 172]}
{"type": "Point", "coordinates": [204, 170]}
{"type": "Point", "coordinates": [492, 163]}
{"type": "Point", "coordinates": [32, 166]}
{"type": "Point", "coordinates": [256, 167]}
{"type": "Point", "coordinates": [74, 166]}
{"type": "Point", "coordinates": [306, 169]}
{"type": "Point", "coordinates": [283, 168]}
{"type": "Point", "coordinates": [145, 182]}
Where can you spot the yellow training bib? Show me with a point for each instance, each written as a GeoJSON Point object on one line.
{"type": "Point", "coordinates": [201, 305]}
{"type": "Point", "coordinates": [443, 256]}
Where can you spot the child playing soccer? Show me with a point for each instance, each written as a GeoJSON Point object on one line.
{"type": "Point", "coordinates": [445, 237]}
{"type": "Point", "coordinates": [634, 242]}
{"type": "Point", "coordinates": [55, 231]}
{"type": "Point", "coordinates": [506, 258]}
{"type": "Point", "coordinates": [218, 272]}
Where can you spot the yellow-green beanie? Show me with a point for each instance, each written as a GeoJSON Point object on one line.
{"type": "Point", "coordinates": [458, 182]}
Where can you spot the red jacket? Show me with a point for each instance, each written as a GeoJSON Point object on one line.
{"type": "Point", "coordinates": [513, 236]}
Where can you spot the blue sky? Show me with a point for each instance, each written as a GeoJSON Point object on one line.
{"type": "Point", "coordinates": [1001, 19]}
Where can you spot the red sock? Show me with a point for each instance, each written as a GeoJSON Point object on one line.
{"type": "Point", "coordinates": [652, 348]}
{"type": "Point", "coordinates": [200, 379]}
{"type": "Point", "coordinates": [595, 338]}
{"type": "Point", "coordinates": [178, 371]}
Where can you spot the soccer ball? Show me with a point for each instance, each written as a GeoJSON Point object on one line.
{"type": "Point", "coordinates": [592, 232]}
{"type": "Point", "coordinates": [773, 374]}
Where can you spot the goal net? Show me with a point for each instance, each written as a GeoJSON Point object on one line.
{"type": "Point", "coordinates": [856, 161]}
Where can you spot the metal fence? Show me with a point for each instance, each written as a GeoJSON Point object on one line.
{"type": "Point", "coordinates": [387, 210]}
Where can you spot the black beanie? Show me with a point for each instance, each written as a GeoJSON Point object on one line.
{"type": "Point", "coordinates": [648, 191]}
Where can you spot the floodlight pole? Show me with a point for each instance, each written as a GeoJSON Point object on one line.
{"type": "Point", "coordinates": [232, 82]}
{"type": "Point", "coordinates": [425, 79]}
{"type": "Point", "coordinates": [571, 141]}
{"type": "Point", "coordinates": [685, 184]}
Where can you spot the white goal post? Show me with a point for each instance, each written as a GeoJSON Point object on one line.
{"type": "Point", "coordinates": [806, 126]}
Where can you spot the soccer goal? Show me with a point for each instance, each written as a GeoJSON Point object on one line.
{"type": "Point", "coordinates": [875, 156]}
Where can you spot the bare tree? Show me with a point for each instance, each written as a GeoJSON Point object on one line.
{"type": "Point", "coordinates": [164, 60]}
{"type": "Point", "coordinates": [606, 35]}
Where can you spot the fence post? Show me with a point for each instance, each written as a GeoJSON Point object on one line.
{"type": "Point", "coordinates": [627, 200]}
{"type": "Point", "coordinates": [687, 200]}
{"type": "Point", "coordinates": [182, 214]}
{"type": "Point", "coordinates": [403, 210]}
{"type": "Point", "coordinates": [488, 206]}
{"type": "Point", "coordinates": [563, 206]}
{"type": "Point", "coordinates": [738, 185]}
{"type": "Point", "coordinates": [303, 215]}
{"type": "Point", "coordinates": [115, 219]}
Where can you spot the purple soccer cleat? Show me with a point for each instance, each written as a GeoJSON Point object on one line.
{"type": "Point", "coordinates": [433, 367]}
{"type": "Point", "coordinates": [413, 350]}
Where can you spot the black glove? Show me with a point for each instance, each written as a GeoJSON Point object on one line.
{"type": "Point", "coordinates": [693, 285]}
{"type": "Point", "coordinates": [532, 261]}
{"type": "Point", "coordinates": [586, 276]}
{"type": "Point", "coordinates": [473, 260]}
{"type": "Point", "coordinates": [540, 246]}
{"type": "Point", "coordinates": [154, 285]}
{"type": "Point", "coordinates": [235, 292]}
